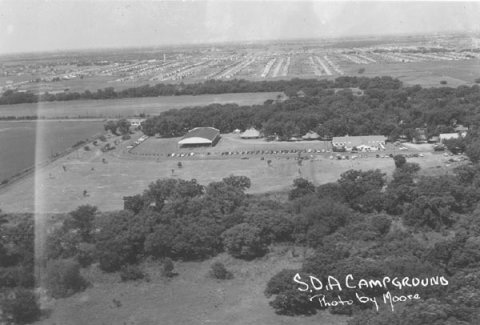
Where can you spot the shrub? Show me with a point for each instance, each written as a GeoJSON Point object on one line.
{"type": "Point", "coordinates": [293, 302]}
{"type": "Point", "coordinates": [102, 138]}
{"type": "Point", "coordinates": [16, 276]}
{"type": "Point", "coordinates": [280, 282]}
{"type": "Point", "coordinates": [244, 241]}
{"type": "Point", "coordinates": [443, 82]}
{"type": "Point", "coordinates": [86, 148]}
{"type": "Point", "coordinates": [64, 279]}
{"type": "Point", "coordinates": [168, 268]}
{"type": "Point", "coordinates": [126, 137]}
{"type": "Point", "coordinates": [218, 271]}
{"type": "Point", "coordinates": [85, 254]}
{"type": "Point", "coordinates": [21, 306]}
{"type": "Point", "coordinates": [131, 273]}
{"type": "Point", "coordinates": [381, 223]}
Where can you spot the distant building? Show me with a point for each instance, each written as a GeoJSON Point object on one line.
{"type": "Point", "coordinates": [311, 136]}
{"type": "Point", "coordinates": [136, 122]}
{"type": "Point", "coordinates": [362, 142]}
{"type": "Point", "coordinates": [201, 136]}
{"type": "Point", "coordinates": [420, 136]}
{"type": "Point", "coordinates": [251, 133]}
{"type": "Point", "coordinates": [448, 136]}
{"type": "Point", "coordinates": [462, 130]}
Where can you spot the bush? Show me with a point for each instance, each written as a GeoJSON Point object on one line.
{"type": "Point", "coordinates": [21, 306]}
{"type": "Point", "coordinates": [280, 282]}
{"type": "Point", "coordinates": [64, 279]}
{"type": "Point", "coordinates": [126, 137]}
{"type": "Point", "coordinates": [168, 268]}
{"type": "Point", "coordinates": [131, 273]}
{"type": "Point", "coordinates": [86, 148]}
{"type": "Point", "coordinates": [244, 241]}
{"type": "Point", "coordinates": [381, 223]}
{"type": "Point", "coordinates": [293, 302]}
{"type": "Point", "coordinates": [218, 271]}
{"type": "Point", "coordinates": [86, 254]}
{"type": "Point", "coordinates": [102, 138]}
{"type": "Point", "coordinates": [16, 276]}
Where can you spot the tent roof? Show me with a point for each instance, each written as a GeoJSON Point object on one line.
{"type": "Point", "coordinates": [200, 135]}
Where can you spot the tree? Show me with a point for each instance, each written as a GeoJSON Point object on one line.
{"type": "Point", "coordinates": [363, 189]}
{"type": "Point", "coordinates": [168, 268]}
{"type": "Point", "coordinates": [241, 182]}
{"type": "Point", "coordinates": [218, 271]}
{"type": "Point", "coordinates": [301, 187]}
{"type": "Point", "coordinates": [82, 219]}
{"type": "Point", "coordinates": [244, 241]}
{"type": "Point", "coordinates": [399, 160]}
{"type": "Point", "coordinates": [20, 306]}
{"type": "Point", "coordinates": [63, 278]}
{"type": "Point", "coordinates": [123, 126]}
{"type": "Point", "coordinates": [111, 126]}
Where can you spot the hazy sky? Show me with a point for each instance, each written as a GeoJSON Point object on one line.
{"type": "Point", "coordinates": [57, 25]}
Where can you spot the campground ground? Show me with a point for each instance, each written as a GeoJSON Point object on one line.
{"type": "Point", "coordinates": [109, 176]}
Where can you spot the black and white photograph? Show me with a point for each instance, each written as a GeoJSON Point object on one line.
{"type": "Point", "coordinates": [246, 162]}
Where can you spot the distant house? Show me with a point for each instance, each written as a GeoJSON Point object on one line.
{"type": "Point", "coordinates": [201, 136]}
{"type": "Point", "coordinates": [420, 136]}
{"type": "Point", "coordinates": [462, 130]}
{"type": "Point", "coordinates": [311, 136]}
{"type": "Point", "coordinates": [236, 131]}
{"type": "Point", "coordinates": [136, 122]}
{"type": "Point", "coordinates": [362, 142]}
{"type": "Point", "coordinates": [434, 139]}
{"type": "Point", "coordinates": [448, 136]}
{"type": "Point", "coordinates": [251, 133]}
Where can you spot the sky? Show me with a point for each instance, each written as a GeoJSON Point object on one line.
{"type": "Point", "coordinates": [39, 25]}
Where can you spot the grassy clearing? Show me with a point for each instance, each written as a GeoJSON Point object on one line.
{"type": "Point", "coordinates": [128, 106]}
{"type": "Point", "coordinates": [190, 298]}
{"type": "Point", "coordinates": [426, 74]}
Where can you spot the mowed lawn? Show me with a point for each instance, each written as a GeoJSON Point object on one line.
{"type": "Point", "coordinates": [115, 108]}
{"type": "Point", "coordinates": [107, 183]}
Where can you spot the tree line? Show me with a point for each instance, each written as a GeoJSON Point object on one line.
{"type": "Point", "coordinates": [289, 87]}
{"type": "Point", "coordinates": [384, 110]}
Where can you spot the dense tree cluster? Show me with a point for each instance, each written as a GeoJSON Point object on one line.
{"type": "Point", "coordinates": [383, 109]}
{"type": "Point", "coordinates": [289, 87]}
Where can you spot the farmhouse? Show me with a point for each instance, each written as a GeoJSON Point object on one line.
{"type": "Point", "coordinates": [251, 133]}
{"type": "Point", "coordinates": [363, 143]}
{"type": "Point", "coordinates": [201, 136]}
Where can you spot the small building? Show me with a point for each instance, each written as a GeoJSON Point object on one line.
{"type": "Point", "coordinates": [136, 122]}
{"type": "Point", "coordinates": [420, 136]}
{"type": "Point", "coordinates": [311, 136]}
{"type": "Point", "coordinates": [462, 130]}
{"type": "Point", "coordinates": [251, 133]}
{"type": "Point", "coordinates": [362, 142]}
{"type": "Point", "coordinates": [448, 136]}
{"type": "Point", "coordinates": [201, 136]}
{"type": "Point", "coordinates": [434, 139]}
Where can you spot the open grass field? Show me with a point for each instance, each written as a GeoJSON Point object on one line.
{"type": "Point", "coordinates": [425, 74]}
{"type": "Point", "coordinates": [129, 106]}
{"type": "Point", "coordinates": [21, 143]}
{"type": "Point", "coordinates": [191, 298]}
{"type": "Point", "coordinates": [127, 174]}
